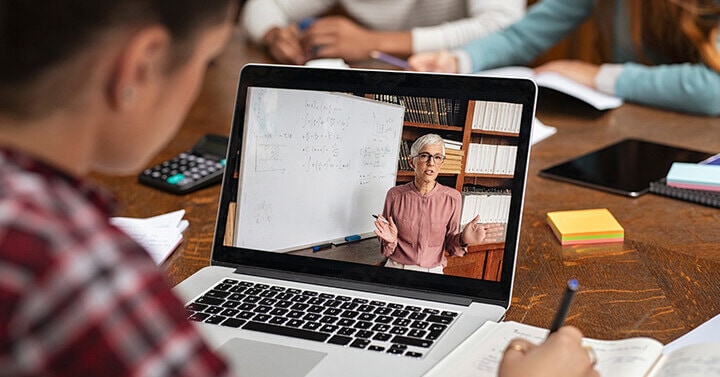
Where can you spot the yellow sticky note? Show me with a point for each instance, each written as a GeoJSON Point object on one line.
{"type": "Point", "coordinates": [585, 226]}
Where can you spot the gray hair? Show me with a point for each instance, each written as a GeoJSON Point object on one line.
{"type": "Point", "coordinates": [427, 139]}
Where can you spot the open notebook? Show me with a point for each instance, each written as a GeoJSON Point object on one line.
{"type": "Point", "coordinates": [297, 285]}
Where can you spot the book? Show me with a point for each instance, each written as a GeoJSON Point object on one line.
{"type": "Point", "coordinates": [480, 355]}
{"type": "Point", "coordinates": [560, 83]}
{"type": "Point", "coordinates": [585, 226]}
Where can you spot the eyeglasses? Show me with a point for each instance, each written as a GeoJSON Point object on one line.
{"type": "Point", "coordinates": [425, 157]}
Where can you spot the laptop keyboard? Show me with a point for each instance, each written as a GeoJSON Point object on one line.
{"type": "Point", "coordinates": [373, 325]}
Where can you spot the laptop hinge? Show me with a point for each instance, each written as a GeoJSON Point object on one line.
{"type": "Point", "coordinates": [354, 285]}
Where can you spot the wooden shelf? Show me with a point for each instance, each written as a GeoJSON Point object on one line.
{"type": "Point", "coordinates": [480, 175]}
{"type": "Point", "coordinates": [438, 127]}
{"type": "Point", "coordinates": [494, 133]}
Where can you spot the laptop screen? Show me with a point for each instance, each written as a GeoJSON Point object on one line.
{"type": "Point", "coordinates": [313, 153]}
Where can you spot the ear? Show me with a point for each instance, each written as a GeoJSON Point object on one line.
{"type": "Point", "coordinates": [139, 63]}
{"type": "Point", "coordinates": [411, 162]}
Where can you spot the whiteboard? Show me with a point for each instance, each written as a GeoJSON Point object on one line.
{"type": "Point", "coordinates": [314, 167]}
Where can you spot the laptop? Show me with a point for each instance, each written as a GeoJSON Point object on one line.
{"type": "Point", "coordinates": [297, 284]}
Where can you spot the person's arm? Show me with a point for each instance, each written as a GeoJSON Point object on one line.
{"type": "Point", "coordinates": [107, 312]}
{"type": "Point", "coordinates": [454, 243]}
{"type": "Point", "coordinates": [485, 16]}
{"type": "Point", "coordinates": [387, 230]}
{"type": "Point", "coordinates": [546, 23]}
{"type": "Point", "coordinates": [692, 88]}
{"type": "Point", "coordinates": [260, 16]}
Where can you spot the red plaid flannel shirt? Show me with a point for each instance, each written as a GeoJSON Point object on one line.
{"type": "Point", "coordinates": [77, 296]}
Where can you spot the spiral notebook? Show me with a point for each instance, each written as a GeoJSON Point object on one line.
{"type": "Point", "coordinates": [708, 198]}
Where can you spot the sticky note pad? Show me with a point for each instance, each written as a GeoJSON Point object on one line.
{"type": "Point", "coordinates": [694, 176]}
{"type": "Point", "coordinates": [585, 226]}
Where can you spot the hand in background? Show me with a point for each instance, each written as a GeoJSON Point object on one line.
{"type": "Point", "coordinates": [338, 37]}
{"type": "Point", "coordinates": [284, 45]}
{"type": "Point", "coordinates": [561, 355]}
{"type": "Point", "coordinates": [440, 61]}
{"type": "Point", "coordinates": [475, 233]}
{"type": "Point", "coordinates": [386, 229]}
{"type": "Point", "coordinates": [576, 70]}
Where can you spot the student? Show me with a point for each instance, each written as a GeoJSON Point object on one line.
{"type": "Point", "coordinates": [666, 55]}
{"type": "Point", "coordinates": [398, 27]}
{"type": "Point", "coordinates": [103, 93]}
{"type": "Point", "coordinates": [421, 219]}
{"type": "Point", "coordinates": [89, 85]}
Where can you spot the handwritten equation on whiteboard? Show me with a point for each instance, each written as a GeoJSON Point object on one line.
{"type": "Point", "coordinates": [317, 158]}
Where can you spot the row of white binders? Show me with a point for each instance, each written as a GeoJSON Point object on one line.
{"type": "Point", "coordinates": [497, 116]}
{"type": "Point", "coordinates": [490, 159]}
{"type": "Point", "coordinates": [492, 208]}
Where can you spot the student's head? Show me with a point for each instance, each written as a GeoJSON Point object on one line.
{"type": "Point", "coordinates": [133, 66]}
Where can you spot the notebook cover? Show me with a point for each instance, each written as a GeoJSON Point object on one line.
{"type": "Point", "coordinates": [707, 198]}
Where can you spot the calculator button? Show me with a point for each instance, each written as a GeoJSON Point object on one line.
{"type": "Point", "coordinates": [175, 179]}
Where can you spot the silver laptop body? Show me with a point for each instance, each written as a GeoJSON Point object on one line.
{"type": "Point", "coordinates": [295, 219]}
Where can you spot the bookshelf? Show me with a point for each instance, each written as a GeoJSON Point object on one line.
{"type": "Point", "coordinates": [482, 168]}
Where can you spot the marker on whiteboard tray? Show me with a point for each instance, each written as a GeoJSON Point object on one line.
{"type": "Point", "coordinates": [324, 246]}
{"type": "Point", "coordinates": [351, 238]}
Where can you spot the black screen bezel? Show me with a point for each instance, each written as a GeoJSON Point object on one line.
{"type": "Point", "coordinates": [522, 91]}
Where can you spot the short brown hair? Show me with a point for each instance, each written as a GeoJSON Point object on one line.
{"type": "Point", "coordinates": [39, 35]}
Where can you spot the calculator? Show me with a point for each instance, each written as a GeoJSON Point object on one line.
{"type": "Point", "coordinates": [200, 167]}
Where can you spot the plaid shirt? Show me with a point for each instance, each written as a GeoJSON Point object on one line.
{"type": "Point", "coordinates": [77, 296]}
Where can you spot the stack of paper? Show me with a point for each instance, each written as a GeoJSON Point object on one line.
{"type": "Point", "coordinates": [585, 226]}
{"type": "Point", "coordinates": [694, 176]}
{"type": "Point", "coordinates": [159, 235]}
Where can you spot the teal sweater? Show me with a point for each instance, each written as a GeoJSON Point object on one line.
{"type": "Point", "coordinates": [686, 87]}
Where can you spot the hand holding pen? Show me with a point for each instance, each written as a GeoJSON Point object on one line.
{"type": "Point", "coordinates": [562, 354]}
{"type": "Point", "coordinates": [386, 228]}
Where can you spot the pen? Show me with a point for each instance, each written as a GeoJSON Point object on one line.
{"type": "Point", "coordinates": [389, 59]}
{"type": "Point", "coordinates": [572, 286]}
{"type": "Point", "coordinates": [305, 23]}
{"type": "Point", "coordinates": [381, 219]}
{"type": "Point", "coordinates": [322, 246]}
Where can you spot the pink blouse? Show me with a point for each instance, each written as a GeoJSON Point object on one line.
{"type": "Point", "coordinates": [427, 225]}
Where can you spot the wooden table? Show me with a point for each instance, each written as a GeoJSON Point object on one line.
{"type": "Point", "coordinates": [661, 282]}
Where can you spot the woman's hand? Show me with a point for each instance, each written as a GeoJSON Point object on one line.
{"type": "Point", "coordinates": [338, 37]}
{"type": "Point", "coordinates": [284, 45]}
{"type": "Point", "coordinates": [561, 355]}
{"type": "Point", "coordinates": [386, 229]}
{"type": "Point", "coordinates": [576, 70]}
{"type": "Point", "coordinates": [475, 233]}
{"type": "Point", "coordinates": [441, 61]}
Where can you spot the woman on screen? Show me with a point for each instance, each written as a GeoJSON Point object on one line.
{"type": "Point", "coordinates": [421, 219]}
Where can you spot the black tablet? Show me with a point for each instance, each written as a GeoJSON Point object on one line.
{"type": "Point", "coordinates": [626, 167]}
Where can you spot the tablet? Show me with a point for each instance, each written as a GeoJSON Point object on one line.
{"type": "Point", "coordinates": [626, 167]}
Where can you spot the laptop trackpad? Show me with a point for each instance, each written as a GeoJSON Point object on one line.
{"type": "Point", "coordinates": [259, 359]}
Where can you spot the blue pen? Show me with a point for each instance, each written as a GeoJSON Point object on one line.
{"type": "Point", "coordinates": [324, 246]}
{"type": "Point", "coordinates": [305, 23]}
{"type": "Point", "coordinates": [572, 287]}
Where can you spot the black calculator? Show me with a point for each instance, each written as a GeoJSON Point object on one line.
{"type": "Point", "coordinates": [199, 167]}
